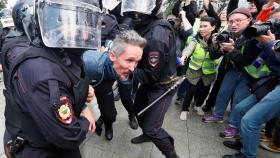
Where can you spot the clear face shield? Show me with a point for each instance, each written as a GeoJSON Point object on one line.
{"type": "Point", "coordinates": [110, 4]}
{"type": "Point", "coordinates": [140, 6]}
{"type": "Point", "coordinates": [6, 18]}
{"type": "Point", "coordinates": [70, 23]}
{"type": "Point", "coordinates": [7, 22]}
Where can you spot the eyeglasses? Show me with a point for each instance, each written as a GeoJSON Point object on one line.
{"type": "Point", "coordinates": [238, 21]}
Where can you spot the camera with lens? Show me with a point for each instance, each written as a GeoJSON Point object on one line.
{"type": "Point", "coordinates": [223, 37]}
{"type": "Point", "coordinates": [261, 29]}
{"type": "Point", "coordinates": [276, 46]}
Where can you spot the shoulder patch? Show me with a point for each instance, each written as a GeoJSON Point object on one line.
{"type": "Point", "coordinates": [64, 112]}
{"type": "Point", "coordinates": [153, 58]}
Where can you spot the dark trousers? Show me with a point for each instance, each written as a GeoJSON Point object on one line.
{"type": "Point", "coordinates": [125, 91]}
{"type": "Point", "coordinates": [181, 92]}
{"type": "Point", "coordinates": [31, 152]}
{"type": "Point", "coordinates": [276, 135]}
{"type": "Point", "coordinates": [198, 90]}
{"type": "Point", "coordinates": [269, 126]}
{"type": "Point", "coordinates": [151, 121]}
{"type": "Point", "coordinates": [105, 99]}
{"type": "Point", "coordinates": [272, 130]}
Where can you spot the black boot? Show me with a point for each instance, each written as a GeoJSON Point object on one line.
{"type": "Point", "coordinates": [140, 139]}
{"type": "Point", "coordinates": [133, 122]}
{"type": "Point", "coordinates": [98, 125]}
{"type": "Point", "coordinates": [172, 154]}
{"type": "Point", "coordinates": [237, 145]}
{"type": "Point", "coordinates": [109, 131]}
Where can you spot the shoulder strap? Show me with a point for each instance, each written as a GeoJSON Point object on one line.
{"type": "Point", "coordinates": [34, 52]}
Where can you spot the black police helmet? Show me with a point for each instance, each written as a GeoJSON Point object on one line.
{"type": "Point", "coordinates": [140, 18]}
{"type": "Point", "coordinates": [156, 10]}
{"type": "Point", "coordinates": [19, 12]}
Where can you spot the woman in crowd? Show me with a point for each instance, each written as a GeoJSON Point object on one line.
{"type": "Point", "coordinates": [202, 68]}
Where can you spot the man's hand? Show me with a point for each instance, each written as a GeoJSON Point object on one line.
{"type": "Point", "coordinates": [90, 94]}
{"type": "Point", "coordinates": [89, 115]}
{"type": "Point", "coordinates": [182, 14]}
{"type": "Point", "coordinates": [214, 40]}
{"type": "Point", "coordinates": [227, 46]}
{"type": "Point", "coordinates": [263, 39]}
{"type": "Point", "coordinates": [7, 149]}
{"type": "Point", "coordinates": [182, 60]}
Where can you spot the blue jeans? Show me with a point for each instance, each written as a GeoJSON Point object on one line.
{"type": "Point", "coordinates": [234, 84]}
{"type": "Point", "coordinates": [252, 115]}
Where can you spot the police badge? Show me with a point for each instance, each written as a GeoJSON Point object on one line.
{"type": "Point", "coordinates": [64, 112]}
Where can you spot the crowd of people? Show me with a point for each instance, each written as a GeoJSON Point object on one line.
{"type": "Point", "coordinates": [56, 55]}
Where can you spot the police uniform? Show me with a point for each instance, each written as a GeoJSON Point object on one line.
{"type": "Point", "coordinates": [43, 105]}
{"type": "Point", "coordinates": [157, 66]}
{"type": "Point", "coordinates": [3, 33]}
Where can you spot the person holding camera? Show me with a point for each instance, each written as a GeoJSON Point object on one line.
{"type": "Point", "coordinates": [262, 105]}
{"type": "Point", "coordinates": [253, 111]}
{"type": "Point", "coordinates": [239, 19]}
{"type": "Point", "coordinates": [242, 52]}
{"type": "Point", "coordinates": [202, 67]}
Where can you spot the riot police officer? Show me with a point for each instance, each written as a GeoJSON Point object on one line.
{"type": "Point", "coordinates": [117, 64]}
{"type": "Point", "coordinates": [7, 25]}
{"type": "Point", "coordinates": [154, 71]}
{"type": "Point", "coordinates": [46, 86]}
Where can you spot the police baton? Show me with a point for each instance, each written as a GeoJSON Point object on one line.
{"type": "Point", "coordinates": [177, 83]}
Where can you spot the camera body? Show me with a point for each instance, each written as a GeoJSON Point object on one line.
{"type": "Point", "coordinates": [276, 46]}
{"type": "Point", "coordinates": [223, 36]}
{"type": "Point", "coordinates": [261, 29]}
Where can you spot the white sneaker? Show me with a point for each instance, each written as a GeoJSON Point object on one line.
{"type": "Point", "coordinates": [199, 111]}
{"type": "Point", "coordinates": [184, 115]}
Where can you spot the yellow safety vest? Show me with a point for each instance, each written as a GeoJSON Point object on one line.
{"type": "Point", "coordinates": [201, 60]}
{"type": "Point", "coordinates": [256, 73]}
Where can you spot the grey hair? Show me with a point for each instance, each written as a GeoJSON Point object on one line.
{"type": "Point", "coordinates": [124, 38]}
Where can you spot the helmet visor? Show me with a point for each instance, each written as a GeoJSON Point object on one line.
{"type": "Point", "coordinates": [70, 23]}
{"type": "Point", "coordinates": [6, 18]}
{"type": "Point", "coordinates": [140, 6]}
{"type": "Point", "coordinates": [110, 4]}
{"type": "Point", "coordinates": [7, 22]}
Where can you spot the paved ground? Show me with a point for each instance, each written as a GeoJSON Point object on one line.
{"type": "Point", "coordinates": [193, 138]}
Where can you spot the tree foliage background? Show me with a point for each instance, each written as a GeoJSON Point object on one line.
{"type": "Point", "coordinates": [2, 5]}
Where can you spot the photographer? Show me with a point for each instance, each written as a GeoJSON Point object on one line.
{"type": "Point", "coordinates": [253, 111]}
{"type": "Point", "coordinates": [252, 66]}
{"type": "Point", "coordinates": [234, 83]}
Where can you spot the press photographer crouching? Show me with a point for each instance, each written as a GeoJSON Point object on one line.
{"type": "Point", "coordinates": [263, 104]}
